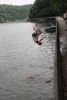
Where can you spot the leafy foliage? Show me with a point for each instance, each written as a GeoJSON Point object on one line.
{"type": "Point", "coordinates": [13, 13]}
{"type": "Point", "coordinates": [47, 8]}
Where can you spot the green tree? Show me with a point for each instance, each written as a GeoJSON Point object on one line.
{"type": "Point", "coordinates": [46, 8]}
{"type": "Point", "coordinates": [14, 13]}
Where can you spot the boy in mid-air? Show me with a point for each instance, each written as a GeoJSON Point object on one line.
{"type": "Point", "coordinates": [36, 34]}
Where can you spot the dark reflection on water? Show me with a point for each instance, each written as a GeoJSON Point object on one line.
{"type": "Point", "coordinates": [26, 69]}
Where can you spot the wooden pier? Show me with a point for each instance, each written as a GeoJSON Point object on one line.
{"type": "Point", "coordinates": [60, 70]}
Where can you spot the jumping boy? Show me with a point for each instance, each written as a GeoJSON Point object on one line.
{"type": "Point", "coordinates": [36, 34]}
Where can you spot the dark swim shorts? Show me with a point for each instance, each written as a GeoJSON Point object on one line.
{"type": "Point", "coordinates": [36, 33]}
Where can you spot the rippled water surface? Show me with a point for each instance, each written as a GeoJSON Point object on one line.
{"type": "Point", "coordinates": [26, 69]}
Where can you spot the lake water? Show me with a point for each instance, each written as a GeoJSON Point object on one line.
{"type": "Point", "coordinates": [26, 69]}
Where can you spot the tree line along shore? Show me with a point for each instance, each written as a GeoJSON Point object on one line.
{"type": "Point", "coordinates": [40, 9]}
{"type": "Point", "coordinates": [14, 13]}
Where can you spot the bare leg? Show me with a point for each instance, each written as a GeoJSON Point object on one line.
{"type": "Point", "coordinates": [35, 39]}
{"type": "Point", "coordinates": [41, 39]}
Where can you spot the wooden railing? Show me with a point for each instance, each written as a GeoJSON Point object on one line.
{"type": "Point", "coordinates": [43, 19]}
